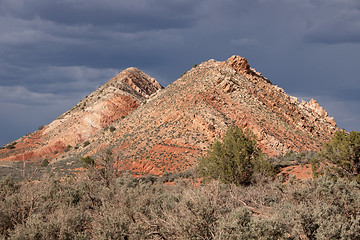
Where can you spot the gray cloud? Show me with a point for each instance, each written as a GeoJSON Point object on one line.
{"type": "Point", "coordinates": [59, 51]}
{"type": "Point", "coordinates": [334, 22]}
{"type": "Point", "coordinates": [244, 41]}
{"type": "Point", "coordinates": [127, 15]}
{"type": "Point", "coordinates": [54, 79]}
{"type": "Point", "coordinates": [21, 95]}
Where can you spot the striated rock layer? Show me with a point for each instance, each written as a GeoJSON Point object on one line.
{"type": "Point", "coordinates": [175, 126]}
{"type": "Point", "coordinates": [109, 103]}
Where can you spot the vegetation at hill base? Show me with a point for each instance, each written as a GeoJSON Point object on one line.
{"type": "Point", "coordinates": [106, 203]}
{"type": "Point", "coordinates": [235, 159]}
{"type": "Point", "coordinates": [340, 157]}
{"type": "Point", "coordinates": [146, 208]}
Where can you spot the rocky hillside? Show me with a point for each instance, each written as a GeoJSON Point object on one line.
{"type": "Point", "coordinates": [154, 131]}
{"type": "Point", "coordinates": [109, 103]}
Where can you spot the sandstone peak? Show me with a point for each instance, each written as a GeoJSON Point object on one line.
{"type": "Point", "coordinates": [242, 66]}
{"type": "Point", "coordinates": [137, 80]}
{"type": "Point", "coordinates": [109, 103]}
{"type": "Point", "coordinates": [239, 64]}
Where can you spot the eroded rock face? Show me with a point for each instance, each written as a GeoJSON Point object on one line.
{"type": "Point", "coordinates": [178, 124]}
{"type": "Point", "coordinates": [169, 129]}
{"type": "Point", "coordinates": [239, 64]}
{"type": "Point", "coordinates": [111, 102]}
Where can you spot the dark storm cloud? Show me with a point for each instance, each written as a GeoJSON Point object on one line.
{"type": "Point", "coordinates": [334, 22]}
{"type": "Point", "coordinates": [128, 15]}
{"type": "Point", "coordinates": [53, 53]}
{"type": "Point", "coordinates": [54, 80]}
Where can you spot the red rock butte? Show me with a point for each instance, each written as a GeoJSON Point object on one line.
{"type": "Point", "coordinates": [153, 130]}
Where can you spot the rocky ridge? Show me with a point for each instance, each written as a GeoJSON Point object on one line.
{"type": "Point", "coordinates": [109, 103]}
{"type": "Point", "coordinates": [169, 129]}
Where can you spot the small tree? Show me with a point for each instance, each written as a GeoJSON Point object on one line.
{"type": "Point", "coordinates": [68, 147]}
{"type": "Point", "coordinates": [88, 162]}
{"type": "Point", "coordinates": [232, 160]}
{"type": "Point", "coordinates": [342, 154]}
{"type": "Point", "coordinates": [104, 168]}
{"type": "Point", "coordinates": [86, 143]}
{"type": "Point", "coordinates": [45, 163]}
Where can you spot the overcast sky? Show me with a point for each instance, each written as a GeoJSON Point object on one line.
{"type": "Point", "coordinates": [54, 53]}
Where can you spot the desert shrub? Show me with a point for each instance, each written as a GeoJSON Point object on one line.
{"type": "Point", "coordinates": [11, 145]}
{"type": "Point", "coordinates": [212, 211]}
{"type": "Point", "coordinates": [344, 151]}
{"type": "Point", "coordinates": [112, 128]}
{"type": "Point", "coordinates": [190, 173]}
{"type": "Point", "coordinates": [86, 143]}
{"type": "Point", "coordinates": [264, 169]}
{"type": "Point", "coordinates": [242, 224]}
{"type": "Point", "coordinates": [293, 158]}
{"type": "Point", "coordinates": [233, 159]}
{"type": "Point", "coordinates": [88, 161]}
{"type": "Point", "coordinates": [49, 209]}
{"type": "Point", "coordinates": [45, 163]}
{"type": "Point", "coordinates": [197, 215]}
{"type": "Point", "coordinates": [89, 207]}
{"type": "Point", "coordinates": [8, 187]}
{"type": "Point", "coordinates": [149, 178]}
{"type": "Point", "coordinates": [68, 147]}
{"type": "Point", "coordinates": [236, 225]}
{"type": "Point", "coordinates": [169, 177]}
{"type": "Point", "coordinates": [130, 208]}
{"type": "Point", "coordinates": [320, 209]}
{"type": "Point", "coordinates": [104, 167]}
{"type": "Point", "coordinates": [62, 224]}
{"type": "Point", "coordinates": [112, 223]}
{"type": "Point", "coordinates": [340, 157]}
{"type": "Point", "coordinates": [187, 213]}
